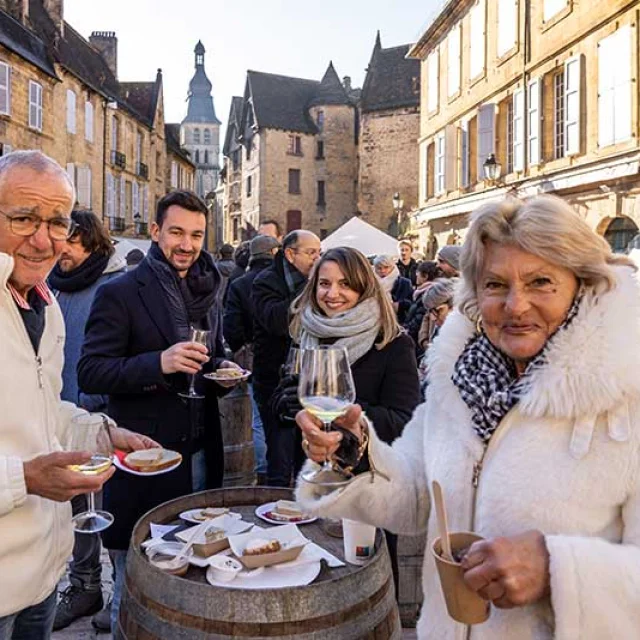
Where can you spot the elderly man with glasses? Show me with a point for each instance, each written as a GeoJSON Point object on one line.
{"type": "Point", "coordinates": [36, 434]}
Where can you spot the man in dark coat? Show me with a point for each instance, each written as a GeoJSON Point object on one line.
{"type": "Point", "coordinates": [407, 265]}
{"type": "Point", "coordinates": [238, 332]}
{"type": "Point", "coordinates": [138, 350]}
{"type": "Point", "coordinates": [273, 291]}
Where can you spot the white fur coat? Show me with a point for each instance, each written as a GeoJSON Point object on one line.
{"type": "Point", "coordinates": [565, 461]}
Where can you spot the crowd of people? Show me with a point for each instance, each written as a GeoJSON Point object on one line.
{"type": "Point", "coordinates": [503, 369]}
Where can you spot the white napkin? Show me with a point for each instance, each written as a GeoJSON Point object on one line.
{"type": "Point", "coordinates": [157, 531]}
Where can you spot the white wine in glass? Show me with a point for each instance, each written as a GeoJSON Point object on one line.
{"type": "Point", "coordinates": [201, 336]}
{"type": "Point", "coordinates": [326, 390]}
{"type": "Point", "coordinates": [92, 434]}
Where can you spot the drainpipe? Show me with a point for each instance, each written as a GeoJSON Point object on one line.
{"type": "Point", "coordinates": [105, 103]}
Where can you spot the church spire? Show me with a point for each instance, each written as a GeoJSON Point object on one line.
{"type": "Point", "coordinates": [200, 101]}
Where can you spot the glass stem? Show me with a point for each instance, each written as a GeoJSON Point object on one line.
{"type": "Point", "coordinates": [192, 386]}
{"type": "Point", "coordinates": [91, 502]}
{"type": "Point", "coordinates": [327, 428]}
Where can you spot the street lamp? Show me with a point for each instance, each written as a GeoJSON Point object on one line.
{"type": "Point", "coordinates": [210, 201]}
{"type": "Point", "coordinates": [492, 169]}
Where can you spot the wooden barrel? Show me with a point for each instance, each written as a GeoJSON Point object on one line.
{"type": "Point", "coordinates": [346, 603]}
{"type": "Point", "coordinates": [410, 556]}
{"type": "Point", "coordinates": [236, 417]}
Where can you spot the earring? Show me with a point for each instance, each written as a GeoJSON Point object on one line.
{"type": "Point", "coordinates": [479, 325]}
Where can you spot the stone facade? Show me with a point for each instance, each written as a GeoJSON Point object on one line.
{"type": "Point", "coordinates": [545, 115]}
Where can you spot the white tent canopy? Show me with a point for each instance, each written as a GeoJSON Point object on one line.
{"type": "Point", "coordinates": [360, 235]}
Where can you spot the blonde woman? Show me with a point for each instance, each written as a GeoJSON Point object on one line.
{"type": "Point", "coordinates": [531, 425]}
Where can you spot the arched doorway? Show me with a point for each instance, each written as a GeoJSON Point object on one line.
{"type": "Point", "coordinates": [620, 231]}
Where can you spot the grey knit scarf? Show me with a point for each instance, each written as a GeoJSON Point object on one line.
{"type": "Point", "coordinates": [356, 329]}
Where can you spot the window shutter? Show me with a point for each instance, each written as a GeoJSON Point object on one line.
{"type": "Point", "coordinates": [123, 202]}
{"type": "Point", "coordinates": [5, 88]}
{"type": "Point", "coordinates": [453, 55]}
{"type": "Point", "coordinates": [518, 130]}
{"type": "Point", "coordinates": [135, 199]}
{"type": "Point", "coordinates": [464, 154]}
{"type": "Point", "coordinates": [424, 172]}
{"type": "Point", "coordinates": [88, 121]}
{"type": "Point", "coordinates": [507, 25]}
{"type": "Point", "coordinates": [451, 157]}
{"type": "Point", "coordinates": [614, 87]}
{"type": "Point", "coordinates": [477, 36]}
{"type": "Point", "coordinates": [87, 171]}
{"type": "Point", "coordinates": [110, 194]}
{"type": "Point", "coordinates": [486, 135]}
{"type": "Point", "coordinates": [433, 81]}
{"type": "Point", "coordinates": [145, 203]}
{"type": "Point", "coordinates": [71, 172]}
{"type": "Point", "coordinates": [71, 111]}
{"type": "Point", "coordinates": [552, 7]}
{"type": "Point", "coordinates": [534, 110]}
{"type": "Point", "coordinates": [572, 83]}
{"type": "Point", "coordinates": [439, 164]}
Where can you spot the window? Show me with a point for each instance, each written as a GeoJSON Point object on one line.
{"type": "Point", "coordinates": [614, 87]}
{"type": "Point", "coordinates": [111, 195]}
{"type": "Point", "coordinates": [88, 121]}
{"type": "Point", "coordinates": [206, 156]}
{"type": "Point", "coordinates": [248, 186]}
{"type": "Point", "coordinates": [207, 136]}
{"type": "Point", "coordinates": [196, 136]}
{"type": "Point", "coordinates": [320, 150]}
{"type": "Point", "coordinates": [135, 201]}
{"type": "Point", "coordinates": [114, 133]}
{"type": "Point", "coordinates": [486, 137]}
{"type": "Point", "coordinates": [321, 202]}
{"type": "Point", "coordinates": [83, 186]}
{"type": "Point", "coordinates": [248, 150]}
{"type": "Point", "coordinates": [518, 131]}
{"type": "Point", "coordinates": [123, 203]}
{"type": "Point", "coordinates": [197, 156]}
{"type": "Point", "coordinates": [440, 164]}
{"type": "Point", "coordinates": [71, 111]}
{"type": "Point", "coordinates": [71, 173]}
{"type": "Point", "coordinates": [5, 149]}
{"type": "Point", "coordinates": [464, 155]}
{"type": "Point", "coordinates": [477, 36]}
{"type": "Point", "coordinates": [294, 220]}
{"type": "Point", "coordinates": [320, 120]}
{"type": "Point", "coordinates": [507, 25]}
{"type": "Point", "coordinates": [235, 159]}
{"type": "Point", "coordinates": [145, 203]}
{"type": "Point", "coordinates": [294, 180]}
{"type": "Point", "coordinates": [138, 151]}
{"type": "Point", "coordinates": [5, 88]}
{"type": "Point", "coordinates": [553, 7]}
{"type": "Point", "coordinates": [35, 105]}
{"type": "Point", "coordinates": [533, 122]}
{"type": "Point", "coordinates": [424, 171]}
{"type": "Point", "coordinates": [558, 115]}
{"type": "Point", "coordinates": [295, 145]}
{"type": "Point", "coordinates": [572, 106]}
{"type": "Point", "coordinates": [433, 77]}
{"type": "Point", "coordinates": [174, 174]}
{"type": "Point", "coordinates": [453, 59]}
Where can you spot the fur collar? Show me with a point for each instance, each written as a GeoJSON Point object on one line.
{"type": "Point", "coordinates": [592, 366]}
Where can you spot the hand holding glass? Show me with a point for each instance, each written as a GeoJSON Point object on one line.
{"type": "Point", "coordinates": [201, 336]}
{"type": "Point", "coordinates": [326, 390]}
{"type": "Point", "coordinates": [92, 434]}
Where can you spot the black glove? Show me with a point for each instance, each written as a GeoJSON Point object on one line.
{"type": "Point", "coordinates": [284, 402]}
{"type": "Point", "coordinates": [347, 453]}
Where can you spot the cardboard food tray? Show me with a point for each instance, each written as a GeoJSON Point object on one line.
{"type": "Point", "coordinates": [206, 549]}
{"type": "Point", "coordinates": [286, 534]}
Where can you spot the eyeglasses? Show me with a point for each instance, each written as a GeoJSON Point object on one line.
{"type": "Point", "coordinates": [26, 225]}
{"type": "Point", "coordinates": [436, 312]}
{"type": "Point", "coordinates": [311, 253]}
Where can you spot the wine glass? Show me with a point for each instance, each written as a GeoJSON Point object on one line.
{"type": "Point", "coordinates": [91, 433]}
{"type": "Point", "coordinates": [292, 364]}
{"type": "Point", "coordinates": [201, 336]}
{"type": "Point", "coordinates": [326, 390]}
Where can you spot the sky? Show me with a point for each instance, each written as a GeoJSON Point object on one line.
{"type": "Point", "coordinates": [288, 37]}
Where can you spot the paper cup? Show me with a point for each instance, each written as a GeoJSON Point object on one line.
{"type": "Point", "coordinates": [463, 604]}
{"type": "Point", "coordinates": [359, 541]}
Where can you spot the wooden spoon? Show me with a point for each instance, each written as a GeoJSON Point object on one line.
{"type": "Point", "coordinates": [441, 514]}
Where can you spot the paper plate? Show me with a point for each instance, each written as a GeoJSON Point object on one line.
{"type": "Point", "coordinates": [148, 474]}
{"type": "Point", "coordinates": [264, 513]}
{"type": "Point", "coordinates": [216, 378]}
{"type": "Point", "coordinates": [188, 516]}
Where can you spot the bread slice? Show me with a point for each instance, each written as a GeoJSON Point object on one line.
{"type": "Point", "coordinates": [149, 460]}
{"type": "Point", "coordinates": [288, 508]}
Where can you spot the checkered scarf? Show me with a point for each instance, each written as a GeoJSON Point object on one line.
{"type": "Point", "coordinates": [488, 381]}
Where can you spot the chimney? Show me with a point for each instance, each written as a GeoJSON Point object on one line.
{"type": "Point", "coordinates": [55, 9]}
{"type": "Point", "coordinates": [346, 83]}
{"type": "Point", "coordinates": [24, 10]}
{"type": "Point", "coordinates": [107, 44]}
{"type": "Point", "coordinates": [15, 8]}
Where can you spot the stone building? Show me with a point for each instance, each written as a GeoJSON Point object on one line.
{"type": "Point", "coordinates": [389, 131]}
{"type": "Point", "coordinates": [60, 93]}
{"type": "Point", "coordinates": [231, 176]}
{"type": "Point", "coordinates": [541, 97]}
{"type": "Point", "coordinates": [200, 129]}
{"type": "Point", "coordinates": [295, 148]}
{"type": "Point", "coordinates": [180, 167]}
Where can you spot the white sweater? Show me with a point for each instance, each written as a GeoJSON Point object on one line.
{"type": "Point", "coordinates": [35, 534]}
{"type": "Point", "coordinates": [565, 461]}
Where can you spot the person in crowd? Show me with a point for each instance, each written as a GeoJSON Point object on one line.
{"type": "Point", "coordinates": [407, 264]}
{"type": "Point", "coordinates": [448, 260]}
{"type": "Point", "coordinates": [531, 425]}
{"type": "Point", "coordinates": [398, 288]}
{"type": "Point", "coordinates": [426, 273]}
{"type": "Point", "coordinates": [37, 435]}
{"type": "Point", "coordinates": [226, 266]}
{"type": "Point", "coordinates": [270, 227]}
{"type": "Point", "coordinates": [138, 351]}
{"type": "Point", "coordinates": [134, 258]}
{"type": "Point", "coordinates": [238, 332]}
{"type": "Point", "coordinates": [88, 260]}
{"type": "Point", "coordinates": [344, 304]}
{"type": "Point", "coordinates": [273, 291]}
{"type": "Point", "coordinates": [241, 257]}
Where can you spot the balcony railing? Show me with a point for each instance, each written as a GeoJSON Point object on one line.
{"type": "Point", "coordinates": [142, 170]}
{"type": "Point", "coordinates": [118, 159]}
{"type": "Point", "coordinates": [116, 224]}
